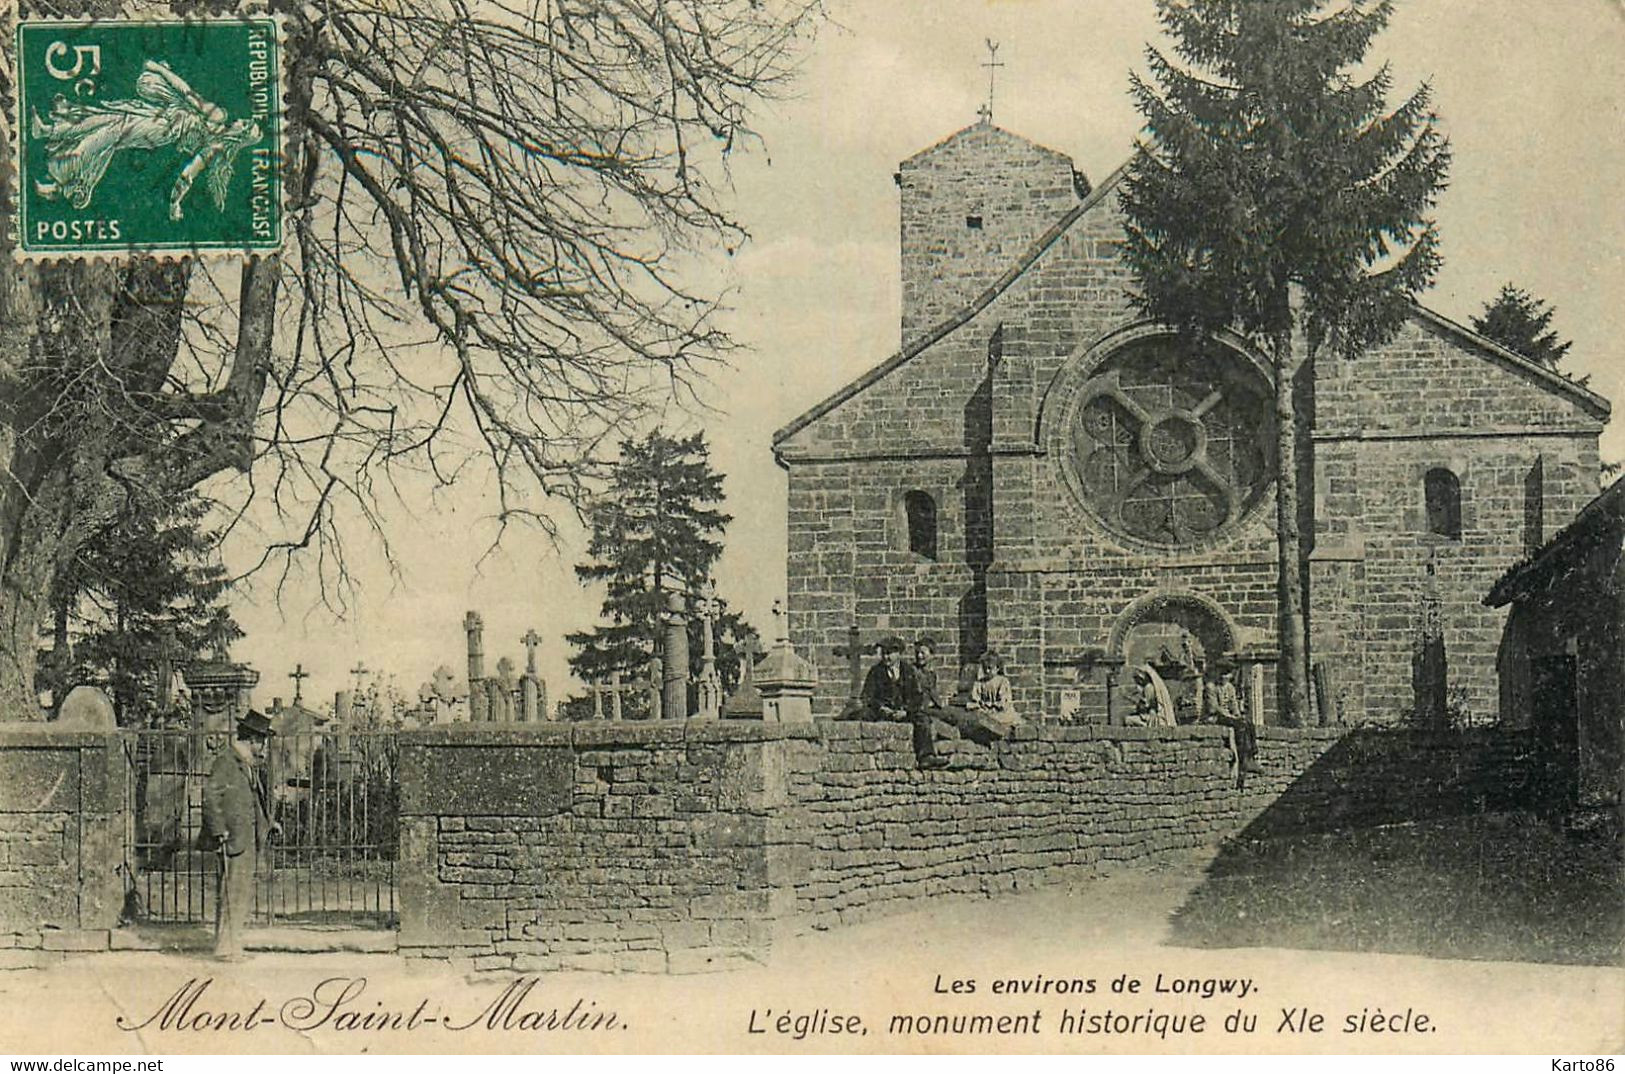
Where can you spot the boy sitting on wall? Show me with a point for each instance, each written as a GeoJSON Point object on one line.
{"type": "Point", "coordinates": [891, 692]}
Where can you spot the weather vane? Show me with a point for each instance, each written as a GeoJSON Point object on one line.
{"type": "Point", "coordinates": [992, 64]}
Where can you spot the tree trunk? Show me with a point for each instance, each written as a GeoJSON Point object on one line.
{"type": "Point", "coordinates": [1294, 694]}
{"type": "Point", "coordinates": [54, 483]}
{"type": "Point", "coordinates": [61, 655]}
{"type": "Point", "coordinates": [53, 496]}
{"type": "Point", "coordinates": [62, 479]}
{"type": "Point", "coordinates": [32, 489]}
{"type": "Point", "coordinates": [119, 323]}
{"type": "Point", "coordinates": [30, 543]}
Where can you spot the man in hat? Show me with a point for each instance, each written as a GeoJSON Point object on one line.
{"type": "Point", "coordinates": [1224, 709]}
{"type": "Point", "coordinates": [236, 811]}
{"type": "Point", "coordinates": [891, 691]}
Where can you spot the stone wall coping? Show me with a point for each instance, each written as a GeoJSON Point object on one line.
{"type": "Point", "coordinates": [672, 732]}
{"type": "Point", "coordinates": [34, 734]}
{"type": "Point", "coordinates": [605, 733]}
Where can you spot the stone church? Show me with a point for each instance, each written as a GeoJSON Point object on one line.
{"type": "Point", "coordinates": [1039, 471]}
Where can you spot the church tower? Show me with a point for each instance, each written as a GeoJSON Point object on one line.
{"type": "Point", "coordinates": [971, 205]}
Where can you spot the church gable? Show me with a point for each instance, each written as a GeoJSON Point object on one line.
{"type": "Point", "coordinates": [1439, 378]}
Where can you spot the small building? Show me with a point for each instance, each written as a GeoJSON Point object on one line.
{"type": "Point", "coordinates": [1562, 658]}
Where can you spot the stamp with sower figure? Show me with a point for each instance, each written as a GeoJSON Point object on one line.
{"type": "Point", "coordinates": [149, 137]}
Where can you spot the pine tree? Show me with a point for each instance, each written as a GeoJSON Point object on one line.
{"type": "Point", "coordinates": [1521, 323]}
{"type": "Point", "coordinates": [1276, 194]}
{"type": "Point", "coordinates": [143, 593]}
{"type": "Point", "coordinates": [655, 530]}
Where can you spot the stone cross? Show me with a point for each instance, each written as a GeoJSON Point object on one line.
{"type": "Point", "coordinates": [709, 700]}
{"type": "Point", "coordinates": [853, 653]}
{"type": "Point", "coordinates": [359, 671]}
{"type": "Point", "coordinates": [708, 608]}
{"type": "Point", "coordinates": [475, 626]}
{"type": "Point", "coordinates": [502, 689]}
{"type": "Point", "coordinates": [532, 694]}
{"type": "Point", "coordinates": [298, 675]}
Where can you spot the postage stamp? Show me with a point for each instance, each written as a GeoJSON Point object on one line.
{"type": "Point", "coordinates": [148, 136]}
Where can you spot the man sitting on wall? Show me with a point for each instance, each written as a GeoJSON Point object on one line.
{"type": "Point", "coordinates": [1224, 709]}
{"type": "Point", "coordinates": [943, 724]}
{"type": "Point", "coordinates": [925, 650]}
{"type": "Point", "coordinates": [891, 692]}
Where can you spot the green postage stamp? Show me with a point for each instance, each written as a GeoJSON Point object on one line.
{"type": "Point", "coordinates": [149, 136]}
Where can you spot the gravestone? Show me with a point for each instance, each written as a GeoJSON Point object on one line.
{"type": "Point", "coordinates": [87, 708]}
{"type": "Point", "coordinates": [502, 692]}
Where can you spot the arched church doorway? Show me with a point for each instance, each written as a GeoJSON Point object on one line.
{"type": "Point", "coordinates": [1178, 635]}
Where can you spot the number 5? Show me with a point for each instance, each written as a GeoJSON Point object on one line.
{"type": "Point", "coordinates": [81, 53]}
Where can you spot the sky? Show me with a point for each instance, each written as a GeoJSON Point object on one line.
{"type": "Point", "coordinates": [1532, 97]}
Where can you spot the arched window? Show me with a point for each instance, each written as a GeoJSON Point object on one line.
{"type": "Point", "coordinates": [920, 514]}
{"type": "Point", "coordinates": [1443, 491]}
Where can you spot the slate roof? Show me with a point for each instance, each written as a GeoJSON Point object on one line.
{"type": "Point", "coordinates": [1601, 520]}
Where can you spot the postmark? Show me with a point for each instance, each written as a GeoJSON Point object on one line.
{"type": "Point", "coordinates": [147, 136]}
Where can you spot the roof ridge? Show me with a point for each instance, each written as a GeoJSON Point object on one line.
{"type": "Point", "coordinates": [959, 318]}
{"type": "Point", "coordinates": [989, 125]}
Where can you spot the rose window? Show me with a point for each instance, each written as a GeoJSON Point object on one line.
{"type": "Point", "coordinates": [1173, 445]}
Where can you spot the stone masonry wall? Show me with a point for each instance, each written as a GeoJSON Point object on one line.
{"type": "Point", "coordinates": [62, 822]}
{"type": "Point", "coordinates": [635, 846]}
{"type": "Point", "coordinates": [845, 516]}
{"type": "Point", "coordinates": [970, 205]}
{"type": "Point", "coordinates": [682, 846]}
{"type": "Point", "coordinates": [686, 846]}
{"type": "Point", "coordinates": [1060, 804]}
{"type": "Point", "coordinates": [1526, 460]}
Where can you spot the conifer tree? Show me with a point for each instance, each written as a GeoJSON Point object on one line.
{"type": "Point", "coordinates": [1521, 323]}
{"type": "Point", "coordinates": [655, 530]}
{"type": "Point", "coordinates": [144, 593]}
{"type": "Point", "coordinates": [1275, 193]}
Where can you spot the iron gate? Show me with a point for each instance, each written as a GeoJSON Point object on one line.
{"type": "Point", "coordinates": [335, 794]}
